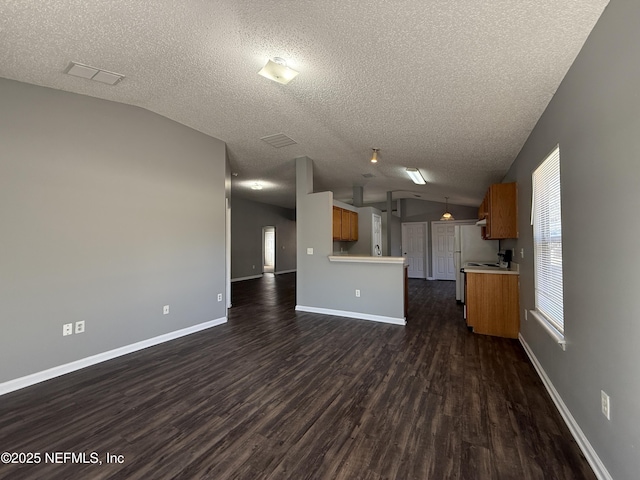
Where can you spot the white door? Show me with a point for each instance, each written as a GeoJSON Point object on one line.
{"type": "Point", "coordinates": [269, 249]}
{"type": "Point", "coordinates": [376, 236]}
{"type": "Point", "coordinates": [414, 236]}
{"type": "Point", "coordinates": [443, 248]}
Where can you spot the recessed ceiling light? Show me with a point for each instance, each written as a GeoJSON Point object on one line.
{"type": "Point", "coordinates": [277, 70]}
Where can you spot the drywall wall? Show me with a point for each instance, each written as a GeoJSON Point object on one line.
{"type": "Point", "coordinates": [108, 212]}
{"type": "Point", "coordinates": [594, 117]}
{"type": "Point", "coordinates": [328, 285]}
{"type": "Point", "coordinates": [247, 219]}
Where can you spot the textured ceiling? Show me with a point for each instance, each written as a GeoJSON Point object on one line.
{"type": "Point", "coordinates": [452, 87]}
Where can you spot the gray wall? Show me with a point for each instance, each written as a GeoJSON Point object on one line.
{"type": "Point", "coordinates": [247, 219]}
{"type": "Point", "coordinates": [595, 118]}
{"type": "Point", "coordinates": [414, 210]}
{"type": "Point", "coordinates": [107, 213]}
{"type": "Point", "coordinates": [330, 285]}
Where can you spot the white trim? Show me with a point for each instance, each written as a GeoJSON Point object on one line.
{"type": "Point", "coordinates": [365, 259]}
{"type": "Point", "coordinates": [240, 279]}
{"type": "Point", "coordinates": [28, 380]}
{"type": "Point", "coordinates": [592, 457]}
{"type": "Point", "coordinates": [285, 271]}
{"type": "Point", "coordinates": [358, 315]}
{"type": "Point", "coordinates": [550, 329]}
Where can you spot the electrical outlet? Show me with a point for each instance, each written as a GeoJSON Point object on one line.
{"type": "Point", "coordinates": [80, 326]}
{"type": "Point", "coordinates": [357, 293]}
{"type": "Point", "coordinates": [219, 297]}
{"type": "Point", "coordinates": [165, 310]}
{"type": "Point", "coordinates": [606, 404]}
{"type": "Point", "coordinates": [67, 329]}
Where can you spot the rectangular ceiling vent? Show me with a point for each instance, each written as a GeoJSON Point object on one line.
{"type": "Point", "coordinates": [92, 73]}
{"type": "Point", "coordinates": [279, 140]}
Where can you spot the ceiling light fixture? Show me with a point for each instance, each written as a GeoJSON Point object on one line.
{"type": "Point", "coordinates": [374, 157]}
{"type": "Point", "coordinates": [256, 186]}
{"type": "Point", "coordinates": [446, 216]}
{"type": "Point", "coordinates": [277, 70]}
{"type": "Point", "coordinates": [416, 176]}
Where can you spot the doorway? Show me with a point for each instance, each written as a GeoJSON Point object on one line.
{"type": "Point", "coordinates": [414, 248]}
{"type": "Point", "coordinates": [268, 249]}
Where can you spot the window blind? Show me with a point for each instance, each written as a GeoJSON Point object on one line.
{"type": "Point", "coordinates": [547, 239]}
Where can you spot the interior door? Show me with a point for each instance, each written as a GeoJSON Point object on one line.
{"type": "Point", "coordinates": [414, 237]}
{"type": "Point", "coordinates": [443, 248]}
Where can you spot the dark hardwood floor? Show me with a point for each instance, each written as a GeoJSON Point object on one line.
{"type": "Point", "coordinates": [276, 394]}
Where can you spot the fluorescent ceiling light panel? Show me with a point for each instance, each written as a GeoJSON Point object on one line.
{"type": "Point", "coordinates": [277, 70]}
{"type": "Point", "coordinates": [416, 176]}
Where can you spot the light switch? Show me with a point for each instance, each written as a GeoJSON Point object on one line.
{"type": "Point", "coordinates": [309, 251]}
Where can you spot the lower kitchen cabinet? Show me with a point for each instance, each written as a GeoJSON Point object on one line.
{"type": "Point", "coordinates": [492, 304]}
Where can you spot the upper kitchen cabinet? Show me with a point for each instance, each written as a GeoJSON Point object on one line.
{"type": "Point", "coordinates": [345, 225]}
{"type": "Point", "coordinates": [500, 209]}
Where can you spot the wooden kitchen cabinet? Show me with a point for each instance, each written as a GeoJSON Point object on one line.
{"type": "Point", "coordinates": [492, 304]}
{"type": "Point", "coordinates": [345, 225]}
{"type": "Point", "coordinates": [500, 209]}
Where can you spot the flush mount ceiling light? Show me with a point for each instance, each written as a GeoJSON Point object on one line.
{"type": "Point", "coordinates": [446, 215]}
{"type": "Point", "coordinates": [416, 176]}
{"type": "Point", "coordinates": [374, 156]}
{"type": "Point", "coordinates": [277, 70]}
{"type": "Point", "coordinates": [256, 186]}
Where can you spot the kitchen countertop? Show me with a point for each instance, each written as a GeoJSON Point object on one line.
{"type": "Point", "coordinates": [365, 259]}
{"type": "Point", "coordinates": [512, 270]}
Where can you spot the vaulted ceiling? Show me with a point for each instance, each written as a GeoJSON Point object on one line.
{"type": "Point", "coordinates": [452, 87]}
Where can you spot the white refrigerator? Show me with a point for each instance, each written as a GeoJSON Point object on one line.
{"type": "Point", "coordinates": [470, 247]}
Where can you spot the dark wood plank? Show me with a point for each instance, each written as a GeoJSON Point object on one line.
{"type": "Point", "coordinates": [279, 394]}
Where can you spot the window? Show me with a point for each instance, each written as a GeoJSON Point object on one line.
{"type": "Point", "coordinates": [547, 243]}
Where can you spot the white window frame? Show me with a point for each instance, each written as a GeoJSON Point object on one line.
{"type": "Point", "coordinates": [546, 219]}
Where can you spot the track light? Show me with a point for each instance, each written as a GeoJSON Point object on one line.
{"type": "Point", "coordinates": [374, 157]}
{"type": "Point", "coordinates": [416, 176]}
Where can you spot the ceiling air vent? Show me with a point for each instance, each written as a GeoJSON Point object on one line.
{"type": "Point", "coordinates": [92, 73]}
{"type": "Point", "coordinates": [279, 140]}
{"type": "Point", "coordinates": [368, 175]}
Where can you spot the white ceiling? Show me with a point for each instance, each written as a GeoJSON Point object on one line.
{"type": "Point", "coordinates": [452, 87]}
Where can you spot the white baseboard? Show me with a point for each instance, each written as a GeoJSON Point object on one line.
{"type": "Point", "coordinates": [26, 381]}
{"type": "Point", "coordinates": [592, 457]}
{"type": "Point", "coordinates": [239, 279]}
{"type": "Point", "coordinates": [358, 315]}
{"type": "Point", "coordinates": [285, 271]}
{"type": "Point", "coordinates": [430, 278]}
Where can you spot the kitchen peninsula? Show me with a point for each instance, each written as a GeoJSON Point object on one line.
{"type": "Point", "coordinates": [354, 286]}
